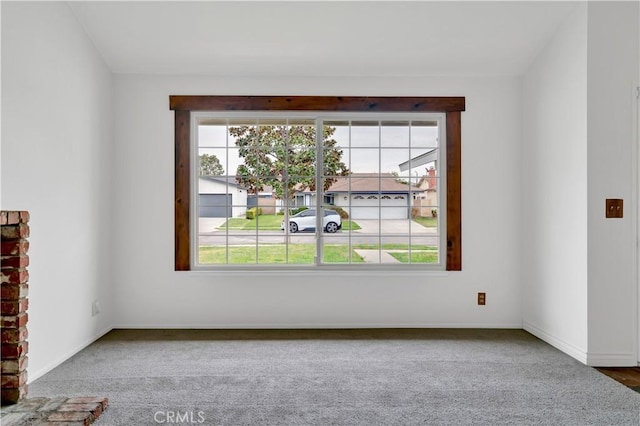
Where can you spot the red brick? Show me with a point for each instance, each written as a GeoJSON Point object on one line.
{"type": "Point", "coordinates": [13, 291]}
{"type": "Point", "coordinates": [14, 307]}
{"type": "Point", "coordinates": [14, 366]}
{"type": "Point", "coordinates": [16, 232]}
{"type": "Point", "coordinates": [95, 408]}
{"type": "Point", "coordinates": [14, 247]}
{"type": "Point", "coordinates": [14, 351]}
{"type": "Point", "coordinates": [89, 406]}
{"type": "Point", "coordinates": [13, 218]}
{"type": "Point", "coordinates": [89, 400]}
{"type": "Point", "coordinates": [14, 335]}
{"type": "Point", "coordinates": [14, 381]}
{"type": "Point", "coordinates": [71, 416]}
{"type": "Point", "coordinates": [14, 276]}
{"type": "Point", "coordinates": [14, 321]}
{"type": "Point", "coordinates": [16, 262]}
{"type": "Point", "coordinates": [52, 404]}
{"type": "Point", "coordinates": [14, 395]}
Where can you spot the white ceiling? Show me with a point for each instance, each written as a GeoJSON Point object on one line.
{"type": "Point", "coordinates": [321, 38]}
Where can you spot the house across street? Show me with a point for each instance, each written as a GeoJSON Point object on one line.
{"type": "Point", "coordinates": [362, 195]}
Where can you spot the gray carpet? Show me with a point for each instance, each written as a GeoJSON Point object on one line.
{"type": "Point", "coordinates": [339, 377]}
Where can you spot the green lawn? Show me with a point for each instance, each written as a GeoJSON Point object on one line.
{"type": "Point", "coordinates": [417, 257]}
{"type": "Point", "coordinates": [304, 254]}
{"type": "Point", "coordinates": [339, 253]}
{"type": "Point", "coordinates": [428, 222]}
{"type": "Point", "coordinates": [263, 222]}
{"type": "Point", "coordinates": [275, 254]}
{"type": "Point", "coordinates": [393, 246]}
{"type": "Point", "coordinates": [349, 224]}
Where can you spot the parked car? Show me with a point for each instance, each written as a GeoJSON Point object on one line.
{"type": "Point", "coordinates": [306, 220]}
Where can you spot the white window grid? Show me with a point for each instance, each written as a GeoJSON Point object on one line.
{"type": "Point", "coordinates": [290, 118]}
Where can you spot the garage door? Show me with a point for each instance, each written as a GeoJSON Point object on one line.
{"type": "Point", "coordinates": [392, 206]}
{"type": "Point", "coordinates": [215, 205]}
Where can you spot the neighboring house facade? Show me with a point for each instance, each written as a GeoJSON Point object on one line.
{"type": "Point", "coordinates": [219, 198]}
{"type": "Point", "coordinates": [368, 196]}
{"type": "Point", "coordinates": [363, 196]}
{"type": "Point", "coordinates": [266, 200]}
{"type": "Point", "coordinates": [426, 204]}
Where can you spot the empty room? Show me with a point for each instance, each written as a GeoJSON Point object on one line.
{"type": "Point", "coordinates": [312, 213]}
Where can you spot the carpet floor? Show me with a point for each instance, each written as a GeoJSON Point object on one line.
{"type": "Point", "coordinates": [338, 377]}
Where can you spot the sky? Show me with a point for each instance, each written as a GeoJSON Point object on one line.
{"type": "Point", "coordinates": [374, 149]}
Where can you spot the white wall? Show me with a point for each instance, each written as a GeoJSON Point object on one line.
{"type": "Point", "coordinates": [579, 268]}
{"type": "Point", "coordinates": [150, 294]}
{"type": "Point", "coordinates": [56, 140]}
{"type": "Point", "coordinates": [554, 170]}
{"type": "Point", "coordinates": [612, 147]}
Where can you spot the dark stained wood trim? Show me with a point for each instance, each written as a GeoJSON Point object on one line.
{"type": "Point", "coordinates": [454, 192]}
{"type": "Point", "coordinates": [182, 190]}
{"type": "Point", "coordinates": [183, 105]}
{"type": "Point", "coordinates": [317, 103]}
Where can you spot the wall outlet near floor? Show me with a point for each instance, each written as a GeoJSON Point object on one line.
{"type": "Point", "coordinates": [95, 308]}
{"type": "Point", "coordinates": [482, 298]}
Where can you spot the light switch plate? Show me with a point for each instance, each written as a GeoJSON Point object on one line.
{"type": "Point", "coordinates": [614, 208]}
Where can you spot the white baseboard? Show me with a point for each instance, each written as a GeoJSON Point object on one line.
{"type": "Point", "coordinates": [31, 376]}
{"type": "Point", "coordinates": [612, 360]}
{"type": "Point", "coordinates": [588, 358]}
{"type": "Point", "coordinates": [566, 347]}
{"type": "Point", "coordinates": [293, 326]}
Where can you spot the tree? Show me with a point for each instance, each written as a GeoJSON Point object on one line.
{"type": "Point", "coordinates": [399, 179]}
{"type": "Point", "coordinates": [210, 165]}
{"type": "Point", "coordinates": [283, 157]}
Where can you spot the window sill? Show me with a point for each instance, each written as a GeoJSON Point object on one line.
{"type": "Point", "coordinates": [384, 271]}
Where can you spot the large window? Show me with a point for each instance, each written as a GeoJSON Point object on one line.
{"type": "Point", "coordinates": [308, 181]}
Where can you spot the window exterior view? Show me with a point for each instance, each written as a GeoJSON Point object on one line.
{"type": "Point", "coordinates": [309, 190]}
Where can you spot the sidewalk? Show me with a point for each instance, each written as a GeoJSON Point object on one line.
{"type": "Point", "coordinates": [376, 256]}
{"type": "Point", "coordinates": [210, 224]}
{"type": "Point", "coordinates": [392, 226]}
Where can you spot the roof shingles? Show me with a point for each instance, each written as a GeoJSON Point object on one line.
{"type": "Point", "coordinates": [368, 183]}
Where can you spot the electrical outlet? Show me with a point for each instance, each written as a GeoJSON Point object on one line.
{"type": "Point", "coordinates": [482, 298]}
{"type": "Point", "coordinates": [95, 308]}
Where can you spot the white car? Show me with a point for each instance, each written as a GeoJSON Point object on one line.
{"type": "Point", "coordinates": [306, 220]}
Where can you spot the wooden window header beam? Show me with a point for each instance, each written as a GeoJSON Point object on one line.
{"type": "Point", "coordinates": [183, 105]}
{"type": "Point", "coordinates": [316, 103]}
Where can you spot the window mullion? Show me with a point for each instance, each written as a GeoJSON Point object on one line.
{"type": "Point", "coordinates": [350, 198]}
{"type": "Point", "coordinates": [379, 192]}
{"type": "Point", "coordinates": [226, 150]}
{"type": "Point", "coordinates": [285, 199]}
{"type": "Point", "coordinates": [319, 177]}
{"type": "Point", "coordinates": [410, 200]}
